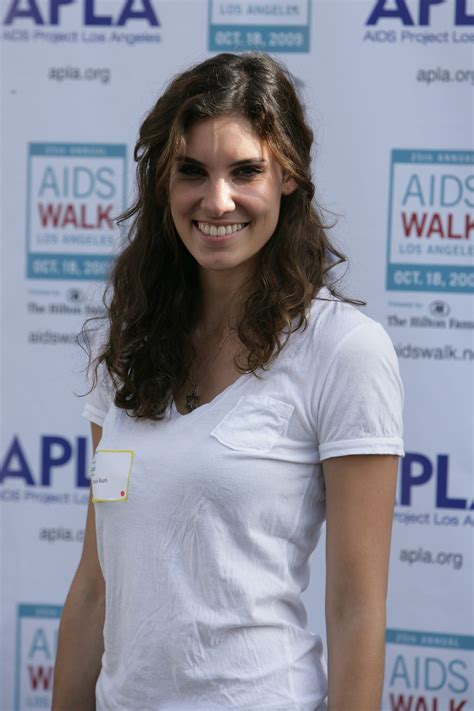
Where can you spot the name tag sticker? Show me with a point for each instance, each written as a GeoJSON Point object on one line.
{"type": "Point", "coordinates": [110, 474]}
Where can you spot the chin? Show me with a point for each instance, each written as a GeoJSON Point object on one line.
{"type": "Point", "coordinates": [217, 265]}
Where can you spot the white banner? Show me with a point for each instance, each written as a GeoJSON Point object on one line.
{"type": "Point", "coordinates": [389, 89]}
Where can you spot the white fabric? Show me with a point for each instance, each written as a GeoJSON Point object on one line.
{"type": "Point", "coordinates": [206, 558]}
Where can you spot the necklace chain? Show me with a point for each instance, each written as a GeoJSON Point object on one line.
{"type": "Point", "coordinates": [193, 400]}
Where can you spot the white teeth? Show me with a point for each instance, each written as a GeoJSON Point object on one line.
{"type": "Point", "coordinates": [220, 231]}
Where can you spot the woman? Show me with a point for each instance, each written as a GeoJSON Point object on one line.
{"type": "Point", "coordinates": [238, 402]}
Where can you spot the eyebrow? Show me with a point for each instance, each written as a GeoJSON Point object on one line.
{"type": "Point", "coordinates": [245, 161]}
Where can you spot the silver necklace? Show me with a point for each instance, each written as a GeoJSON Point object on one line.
{"type": "Point", "coordinates": [193, 400]}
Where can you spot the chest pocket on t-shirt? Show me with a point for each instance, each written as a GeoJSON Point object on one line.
{"type": "Point", "coordinates": [254, 424]}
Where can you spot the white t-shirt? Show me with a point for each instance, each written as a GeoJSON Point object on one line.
{"type": "Point", "coordinates": [210, 518]}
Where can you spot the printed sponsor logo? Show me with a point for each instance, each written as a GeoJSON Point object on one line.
{"type": "Point", "coordinates": [69, 73]}
{"type": "Point", "coordinates": [267, 26]}
{"type": "Point", "coordinates": [422, 556]}
{"type": "Point", "coordinates": [444, 75]}
{"type": "Point", "coordinates": [58, 458]}
{"type": "Point", "coordinates": [36, 642]}
{"type": "Point", "coordinates": [428, 671]}
{"type": "Point", "coordinates": [454, 316]}
{"type": "Point", "coordinates": [422, 15]}
{"type": "Point", "coordinates": [94, 12]}
{"type": "Point", "coordinates": [422, 23]}
{"type": "Point", "coordinates": [74, 302]}
{"type": "Point", "coordinates": [74, 192]}
{"type": "Point", "coordinates": [70, 306]}
{"type": "Point", "coordinates": [431, 223]}
{"type": "Point", "coordinates": [80, 21]}
{"type": "Point", "coordinates": [52, 338]}
{"type": "Point", "coordinates": [438, 316]}
{"type": "Point", "coordinates": [418, 470]}
{"type": "Point", "coordinates": [60, 534]}
{"type": "Point", "coordinates": [440, 353]}
{"type": "Point", "coordinates": [425, 482]}
{"type": "Point", "coordinates": [428, 518]}
{"type": "Point", "coordinates": [439, 308]}
{"type": "Point", "coordinates": [436, 319]}
{"type": "Point", "coordinates": [75, 295]}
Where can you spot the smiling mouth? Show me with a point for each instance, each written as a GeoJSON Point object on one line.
{"type": "Point", "coordinates": [219, 230]}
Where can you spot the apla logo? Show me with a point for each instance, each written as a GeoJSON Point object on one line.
{"type": "Point", "coordinates": [384, 10]}
{"type": "Point", "coordinates": [417, 469]}
{"type": "Point", "coordinates": [55, 453]}
{"type": "Point", "coordinates": [126, 10]}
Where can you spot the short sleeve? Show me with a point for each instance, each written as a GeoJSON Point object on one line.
{"type": "Point", "coordinates": [361, 401]}
{"type": "Point", "coordinates": [99, 400]}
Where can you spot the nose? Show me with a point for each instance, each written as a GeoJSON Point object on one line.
{"type": "Point", "coordinates": [217, 197]}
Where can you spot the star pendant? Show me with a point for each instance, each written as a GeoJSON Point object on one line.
{"type": "Point", "coordinates": [192, 401]}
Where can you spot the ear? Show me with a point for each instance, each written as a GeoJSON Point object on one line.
{"type": "Point", "coordinates": [288, 185]}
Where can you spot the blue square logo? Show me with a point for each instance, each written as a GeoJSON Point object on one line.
{"type": "Point", "coordinates": [269, 26]}
{"type": "Point", "coordinates": [431, 221]}
{"type": "Point", "coordinates": [75, 190]}
{"type": "Point", "coordinates": [36, 642]}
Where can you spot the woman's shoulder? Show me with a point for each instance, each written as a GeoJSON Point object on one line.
{"type": "Point", "coordinates": [338, 329]}
{"type": "Point", "coordinates": [102, 388]}
{"type": "Point", "coordinates": [331, 319]}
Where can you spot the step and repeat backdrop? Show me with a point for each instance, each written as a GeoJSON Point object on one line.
{"type": "Point", "coordinates": [389, 88]}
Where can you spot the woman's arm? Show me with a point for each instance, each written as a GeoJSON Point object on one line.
{"type": "Point", "coordinates": [80, 642]}
{"type": "Point", "coordinates": [360, 498]}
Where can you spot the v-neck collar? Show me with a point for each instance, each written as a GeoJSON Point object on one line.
{"type": "Point", "coordinates": [239, 382]}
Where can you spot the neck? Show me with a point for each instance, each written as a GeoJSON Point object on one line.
{"type": "Point", "coordinates": [221, 295]}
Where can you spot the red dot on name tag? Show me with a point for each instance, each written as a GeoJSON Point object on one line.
{"type": "Point", "coordinates": [122, 493]}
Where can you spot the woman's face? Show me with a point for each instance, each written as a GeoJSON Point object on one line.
{"type": "Point", "coordinates": [225, 193]}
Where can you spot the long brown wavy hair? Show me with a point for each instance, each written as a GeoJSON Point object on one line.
{"type": "Point", "coordinates": [152, 295]}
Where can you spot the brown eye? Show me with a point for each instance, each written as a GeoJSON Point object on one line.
{"type": "Point", "coordinates": [249, 171]}
{"type": "Point", "coordinates": [191, 171]}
